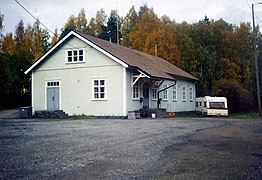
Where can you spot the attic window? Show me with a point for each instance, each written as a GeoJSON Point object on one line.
{"type": "Point", "coordinates": [75, 55]}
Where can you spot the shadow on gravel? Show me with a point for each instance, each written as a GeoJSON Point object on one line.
{"type": "Point", "coordinates": [9, 114]}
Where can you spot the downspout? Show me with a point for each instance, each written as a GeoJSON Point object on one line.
{"type": "Point", "coordinates": [158, 99]}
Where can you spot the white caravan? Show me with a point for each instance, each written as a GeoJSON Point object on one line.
{"type": "Point", "coordinates": [216, 106]}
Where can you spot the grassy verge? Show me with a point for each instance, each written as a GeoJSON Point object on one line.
{"type": "Point", "coordinates": [245, 115]}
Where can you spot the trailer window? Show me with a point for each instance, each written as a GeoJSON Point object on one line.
{"type": "Point", "coordinates": [217, 105]}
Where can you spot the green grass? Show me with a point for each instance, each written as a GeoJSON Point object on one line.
{"type": "Point", "coordinates": [245, 115]}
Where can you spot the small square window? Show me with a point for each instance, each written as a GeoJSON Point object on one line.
{"type": "Point", "coordinates": [75, 55]}
{"type": "Point", "coordinates": [102, 89]}
{"type": "Point", "coordinates": [81, 55]}
{"type": "Point", "coordinates": [69, 56]}
{"type": "Point", "coordinates": [102, 82]}
{"type": "Point", "coordinates": [95, 82]}
{"type": "Point", "coordinates": [96, 89]}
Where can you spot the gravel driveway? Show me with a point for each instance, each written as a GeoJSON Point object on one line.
{"type": "Point", "coordinates": [131, 149]}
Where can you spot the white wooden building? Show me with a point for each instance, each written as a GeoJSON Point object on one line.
{"type": "Point", "coordinates": [82, 74]}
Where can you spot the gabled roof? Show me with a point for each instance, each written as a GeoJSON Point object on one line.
{"type": "Point", "coordinates": [152, 66]}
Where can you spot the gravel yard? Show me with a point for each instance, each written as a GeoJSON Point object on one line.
{"type": "Point", "coordinates": [208, 148]}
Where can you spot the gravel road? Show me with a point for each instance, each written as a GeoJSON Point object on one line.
{"type": "Point", "coordinates": [208, 148]}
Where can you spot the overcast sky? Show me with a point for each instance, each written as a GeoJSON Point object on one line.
{"type": "Point", "coordinates": [54, 13]}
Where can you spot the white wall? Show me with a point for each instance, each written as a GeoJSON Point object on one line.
{"type": "Point", "coordinates": [131, 104]}
{"type": "Point", "coordinates": [179, 105]}
{"type": "Point", "coordinates": [76, 82]}
{"type": "Point", "coordinates": [171, 105]}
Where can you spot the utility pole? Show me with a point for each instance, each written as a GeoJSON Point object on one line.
{"type": "Point", "coordinates": [156, 46]}
{"type": "Point", "coordinates": [117, 29]}
{"type": "Point", "coordinates": [256, 61]}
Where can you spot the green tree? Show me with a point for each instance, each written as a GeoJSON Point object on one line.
{"type": "Point", "coordinates": [129, 23]}
{"type": "Point", "coordinates": [1, 28]}
{"type": "Point", "coordinates": [81, 21]}
{"type": "Point", "coordinates": [186, 46]}
{"type": "Point", "coordinates": [55, 37]}
{"type": "Point", "coordinates": [206, 55]}
{"type": "Point", "coordinates": [112, 23]}
{"type": "Point", "coordinates": [97, 25]}
{"type": "Point", "coordinates": [145, 9]}
{"type": "Point", "coordinates": [69, 25]}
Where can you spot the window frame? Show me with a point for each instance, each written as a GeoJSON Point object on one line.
{"type": "Point", "coordinates": [98, 91]}
{"type": "Point", "coordinates": [184, 95]}
{"type": "Point", "coordinates": [154, 94]}
{"type": "Point", "coordinates": [191, 94]}
{"type": "Point", "coordinates": [174, 92]}
{"type": "Point", "coordinates": [76, 56]}
{"type": "Point", "coordinates": [165, 92]}
{"type": "Point", "coordinates": [136, 92]}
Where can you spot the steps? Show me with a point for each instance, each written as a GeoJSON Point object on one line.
{"type": "Point", "coordinates": [50, 114]}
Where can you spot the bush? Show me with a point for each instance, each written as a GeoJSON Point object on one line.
{"type": "Point", "coordinates": [238, 98]}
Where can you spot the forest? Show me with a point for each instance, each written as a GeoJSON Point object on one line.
{"type": "Point", "coordinates": [218, 53]}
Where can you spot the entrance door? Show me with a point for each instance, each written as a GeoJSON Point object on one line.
{"type": "Point", "coordinates": [145, 95]}
{"type": "Point", "coordinates": [52, 98]}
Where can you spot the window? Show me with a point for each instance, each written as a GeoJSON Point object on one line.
{"type": "Point", "coordinates": [81, 55]}
{"type": "Point", "coordinates": [174, 93]}
{"type": "Point", "coordinates": [135, 91]}
{"type": "Point", "coordinates": [99, 89]}
{"type": "Point", "coordinates": [69, 56]}
{"type": "Point", "coordinates": [165, 93]}
{"type": "Point", "coordinates": [191, 94]}
{"type": "Point", "coordinates": [183, 93]}
{"type": "Point", "coordinates": [217, 105]}
{"type": "Point", "coordinates": [52, 84]}
{"type": "Point", "coordinates": [154, 94]}
{"type": "Point", "coordinates": [75, 55]}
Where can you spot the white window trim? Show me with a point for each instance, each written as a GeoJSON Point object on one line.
{"type": "Point", "coordinates": [165, 86]}
{"type": "Point", "coordinates": [154, 99]}
{"type": "Point", "coordinates": [72, 50]}
{"type": "Point", "coordinates": [174, 90]}
{"type": "Point", "coordinates": [93, 92]}
{"type": "Point", "coordinates": [184, 91]}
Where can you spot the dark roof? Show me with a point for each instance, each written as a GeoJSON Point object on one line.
{"type": "Point", "coordinates": [152, 66]}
